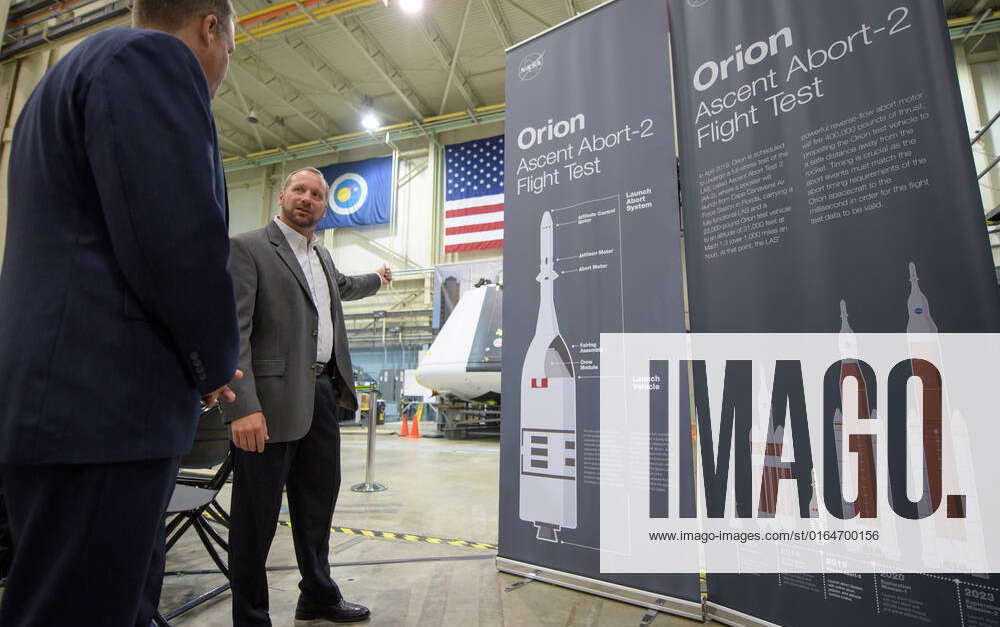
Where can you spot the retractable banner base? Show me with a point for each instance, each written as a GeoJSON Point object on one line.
{"type": "Point", "coordinates": [727, 616]}
{"type": "Point", "coordinates": [642, 598]}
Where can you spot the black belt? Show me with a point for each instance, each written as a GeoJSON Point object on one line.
{"type": "Point", "coordinates": [319, 369]}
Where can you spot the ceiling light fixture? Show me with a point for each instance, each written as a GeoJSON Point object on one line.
{"type": "Point", "coordinates": [411, 6]}
{"type": "Point", "coordinates": [370, 121]}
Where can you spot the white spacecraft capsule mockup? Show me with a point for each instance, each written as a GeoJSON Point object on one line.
{"type": "Point", "coordinates": [465, 358]}
{"type": "Point", "coordinates": [548, 414]}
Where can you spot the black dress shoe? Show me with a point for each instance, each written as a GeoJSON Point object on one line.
{"type": "Point", "coordinates": [342, 612]}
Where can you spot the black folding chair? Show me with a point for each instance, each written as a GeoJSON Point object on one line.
{"type": "Point", "coordinates": [194, 502]}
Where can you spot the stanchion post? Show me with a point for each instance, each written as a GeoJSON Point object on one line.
{"type": "Point", "coordinates": [370, 485]}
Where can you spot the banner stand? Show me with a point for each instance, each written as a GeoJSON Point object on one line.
{"type": "Point", "coordinates": [590, 205]}
{"type": "Point", "coordinates": [834, 259]}
{"type": "Point", "coordinates": [727, 616]}
{"type": "Point", "coordinates": [642, 598]}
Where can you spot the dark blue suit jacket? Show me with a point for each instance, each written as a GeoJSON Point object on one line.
{"type": "Point", "coordinates": [116, 308]}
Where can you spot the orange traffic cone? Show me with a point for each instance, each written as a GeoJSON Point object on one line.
{"type": "Point", "coordinates": [405, 431]}
{"type": "Point", "coordinates": [415, 432]}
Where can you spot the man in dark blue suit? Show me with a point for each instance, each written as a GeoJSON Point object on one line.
{"type": "Point", "coordinates": [116, 309]}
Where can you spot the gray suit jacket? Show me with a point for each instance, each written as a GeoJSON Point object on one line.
{"type": "Point", "coordinates": [278, 332]}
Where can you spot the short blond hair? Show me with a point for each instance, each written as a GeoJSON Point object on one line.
{"type": "Point", "coordinates": [288, 180]}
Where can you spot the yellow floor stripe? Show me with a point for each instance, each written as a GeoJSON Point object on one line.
{"type": "Point", "coordinates": [391, 535]}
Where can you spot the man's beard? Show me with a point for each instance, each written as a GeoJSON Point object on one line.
{"type": "Point", "coordinates": [297, 219]}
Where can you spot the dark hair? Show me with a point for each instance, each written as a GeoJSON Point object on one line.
{"type": "Point", "coordinates": [173, 14]}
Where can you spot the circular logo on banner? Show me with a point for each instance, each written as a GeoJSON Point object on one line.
{"type": "Point", "coordinates": [531, 65]}
{"type": "Point", "coordinates": [348, 193]}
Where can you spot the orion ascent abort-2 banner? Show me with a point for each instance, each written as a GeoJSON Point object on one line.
{"type": "Point", "coordinates": [828, 186]}
{"type": "Point", "coordinates": [592, 245]}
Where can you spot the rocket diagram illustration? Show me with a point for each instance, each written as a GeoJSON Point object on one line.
{"type": "Point", "coordinates": [548, 413]}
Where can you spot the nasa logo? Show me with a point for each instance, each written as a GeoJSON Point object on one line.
{"type": "Point", "coordinates": [531, 66]}
{"type": "Point", "coordinates": [694, 4]}
{"type": "Point", "coordinates": [348, 193]}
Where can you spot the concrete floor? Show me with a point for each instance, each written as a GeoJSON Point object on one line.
{"type": "Point", "coordinates": [438, 488]}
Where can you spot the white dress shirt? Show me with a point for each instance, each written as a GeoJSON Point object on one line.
{"type": "Point", "coordinates": [308, 257]}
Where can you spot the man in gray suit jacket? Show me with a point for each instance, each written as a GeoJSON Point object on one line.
{"type": "Point", "coordinates": [297, 371]}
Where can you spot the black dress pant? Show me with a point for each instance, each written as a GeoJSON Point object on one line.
{"type": "Point", "coordinates": [309, 469]}
{"type": "Point", "coordinates": [89, 542]}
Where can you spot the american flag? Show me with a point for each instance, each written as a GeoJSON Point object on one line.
{"type": "Point", "coordinates": [473, 206]}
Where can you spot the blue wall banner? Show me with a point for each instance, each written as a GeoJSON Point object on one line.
{"type": "Point", "coordinates": [592, 239]}
{"type": "Point", "coordinates": [360, 193]}
{"type": "Point", "coordinates": [828, 186]}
